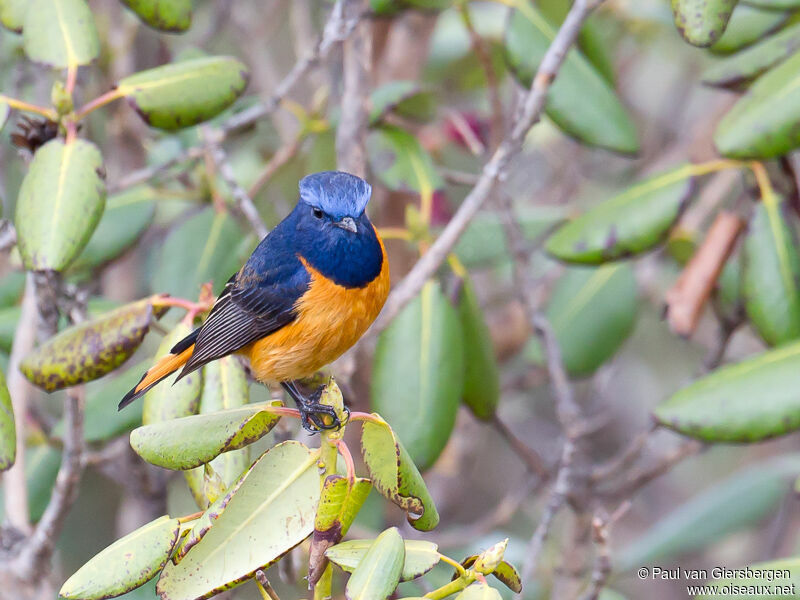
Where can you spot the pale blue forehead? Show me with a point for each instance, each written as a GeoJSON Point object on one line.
{"type": "Point", "coordinates": [337, 193]}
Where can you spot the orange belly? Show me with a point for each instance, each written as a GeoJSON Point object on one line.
{"type": "Point", "coordinates": [331, 318]}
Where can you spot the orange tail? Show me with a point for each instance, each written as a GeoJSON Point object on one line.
{"type": "Point", "coordinates": [163, 368]}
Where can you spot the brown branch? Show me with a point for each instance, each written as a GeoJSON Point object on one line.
{"type": "Point", "coordinates": [47, 284]}
{"type": "Point", "coordinates": [280, 158]}
{"type": "Point", "coordinates": [494, 170]}
{"type": "Point", "coordinates": [601, 525]}
{"type": "Point", "coordinates": [529, 456]}
{"type": "Point", "coordinates": [686, 299]}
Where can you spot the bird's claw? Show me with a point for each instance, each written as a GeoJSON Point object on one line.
{"type": "Point", "coordinates": [312, 413]}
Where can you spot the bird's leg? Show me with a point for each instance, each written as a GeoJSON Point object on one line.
{"type": "Point", "coordinates": [311, 409]}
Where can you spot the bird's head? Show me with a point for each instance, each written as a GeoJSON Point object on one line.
{"type": "Point", "coordinates": [334, 199]}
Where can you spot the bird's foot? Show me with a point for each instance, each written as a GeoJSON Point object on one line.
{"type": "Point", "coordinates": [315, 416]}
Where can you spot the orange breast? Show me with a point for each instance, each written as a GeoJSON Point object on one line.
{"type": "Point", "coordinates": [331, 318]}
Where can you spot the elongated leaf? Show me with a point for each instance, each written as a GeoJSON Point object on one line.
{"type": "Point", "coordinates": [270, 513]}
{"type": "Point", "coordinates": [580, 101]}
{"type": "Point", "coordinates": [91, 349]}
{"type": "Point", "coordinates": [420, 556]}
{"type": "Point", "coordinates": [172, 399]}
{"type": "Point", "coordinates": [592, 312]}
{"type": "Point", "coordinates": [60, 33]}
{"type": "Point", "coordinates": [628, 224]}
{"type": "Point", "coordinates": [60, 202]}
{"type": "Point", "coordinates": [747, 25]}
{"type": "Point", "coordinates": [207, 246]}
{"type": "Point", "coordinates": [8, 432]}
{"type": "Point", "coordinates": [774, 4]}
{"type": "Point", "coordinates": [418, 374]}
{"type": "Point", "coordinates": [339, 504]}
{"type": "Point", "coordinates": [126, 564]}
{"type": "Point", "coordinates": [702, 22]}
{"type": "Point", "coordinates": [748, 64]}
{"type": "Point", "coordinates": [400, 162]}
{"type": "Point", "coordinates": [189, 442]}
{"type": "Point", "coordinates": [378, 572]}
{"type": "Point", "coordinates": [763, 123]}
{"type": "Point", "coordinates": [12, 14]}
{"type": "Point", "coordinates": [185, 93]}
{"type": "Point", "coordinates": [503, 572]}
{"type": "Point", "coordinates": [224, 387]}
{"type": "Point", "coordinates": [406, 98]}
{"type": "Point", "coordinates": [772, 273]}
{"type": "Point", "coordinates": [720, 407]}
{"type": "Point", "coordinates": [395, 475]}
{"type": "Point", "coordinates": [771, 580]}
{"type": "Point", "coordinates": [479, 591]}
{"type": "Point", "coordinates": [481, 375]}
{"type": "Point", "coordinates": [739, 501]}
{"type": "Point", "coordinates": [164, 15]}
{"type": "Point", "coordinates": [126, 217]}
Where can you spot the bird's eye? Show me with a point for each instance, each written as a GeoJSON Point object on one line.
{"type": "Point", "coordinates": [318, 213]}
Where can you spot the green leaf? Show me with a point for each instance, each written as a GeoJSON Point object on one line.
{"type": "Point", "coordinates": [772, 272]}
{"type": "Point", "coordinates": [479, 591]}
{"type": "Point", "coordinates": [748, 64]}
{"type": "Point", "coordinates": [481, 374]}
{"type": "Point", "coordinates": [504, 572]}
{"type": "Point", "coordinates": [774, 4]}
{"type": "Point", "coordinates": [406, 98]}
{"type": "Point", "coordinates": [126, 217]}
{"type": "Point", "coordinates": [339, 504]}
{"type": "Point", "coordinates": [592, 312]}
{"type": "Point", "coordinates": [12, 285]}
{"type": "Point", "coordinates": [5, 110]}
{"type": "Point", "coordinates": [400, 162]}
{"type": "Point", "coordinates": [8, 431]}
{"type": "Point", "coordinates": [702, 22]}
{"type": "Point", "coordinates": [41, 469]}
{"type": "Point", "coordinates": [418, 374]}
{"type": "Point", "coordinates": [89, 350]}
{"type": "Point", "coordinates": [395, 475]}
{"type": "Point", "coordinates": [225, 387]}
{"type": "Point", "coordinates": [763, 123]}
{"type": "Point", "coordinates": [771, 580]}
{"type": "Point", "coordinates": [60, 202]}
{"type": "Point", "coordinates": [60, 33]}
{"type": "Point", "coordinates": [189, 442]}
{"type": "Point", "coordinates": [580, 101]}
{"type": "Point", "coordinates": [748, 25]}
{"type": "Point", "coordinates": [741, 500]}
{"type": "Point", "coordinates": [208, 246]}
{"type": "Point", "coordinates": [126, 564]}
{"type": "Point", "coordinates": [164, 15]}
{"type": "Point", "coordinates": [722, 406]}
{"type": "Point", "coordinates": [420, 556]}
{"type": "Point", "coordinates": [628, 224]}
{"type": "Point", "coordinates": [172, 399]}
{"type": "Point", "coordinates": [378, 572]}
{"type": "Point", "coordinates": [12, 14]}
{"type": "Point", "coordinates": [270, 513]}
{"type": "Point", "coordinates": [185, 93]}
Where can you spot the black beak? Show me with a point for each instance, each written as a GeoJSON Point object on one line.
{"type": "Point", "coordinates": [348, 223]}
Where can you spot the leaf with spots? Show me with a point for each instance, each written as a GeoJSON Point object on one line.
{"type": "Point", "coordinates": [400, 162]}
{"type": "Point", "coordinates": [418, 374]}
{"type": "Point", "coordinates": [271, 512]}
{"type": "Point", "coordinates": [339, 504]}
{"type": "Point", "coordinates": [750, 401]}
{"type": "Point", "coordinates": [420, 556]}
{"type": "Point", "coordinates": [378, 571]}
{"type": "Point", "coordinates": [126, 564]}
{"type": "Point", "coordinates": [60, 203]}
{"type": "Point", "coordinates": [189, 442]}
{"type": "Point", "coordinates": [165, 15]}
{"type": "Point", "coordinates": [60, 33]}
{"type": "Point", "coordinates": [504, 572]}
{"type": "Point", "coordinates": [771, 272]}
{"type": "Point", "coordinates": [8, 432]}
{"type": "Point", "coordinates": [395, 475]}
{"type": "Point", "coordinates": [630, 223]}
{"type": "Point", "coordinates": [185, 93]}
{"type": "Point", "coordinates": [89, 350]}
{"type": "Point", "coordinates": [763, 123]}
{"type": "Point", "coordinates": [702, 22]}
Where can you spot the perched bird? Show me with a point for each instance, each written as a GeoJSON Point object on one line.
{"type": "Point", "coordinates": [308, 292]}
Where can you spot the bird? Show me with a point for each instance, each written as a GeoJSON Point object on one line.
{"type": "Point", "coordinates": [309, 291]}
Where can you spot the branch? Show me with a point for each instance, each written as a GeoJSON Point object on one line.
{"type": "Point", "coordinates": [494, 171]}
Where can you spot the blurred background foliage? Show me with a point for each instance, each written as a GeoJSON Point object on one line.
{"type": "Point", "coordinates": [637, 118]}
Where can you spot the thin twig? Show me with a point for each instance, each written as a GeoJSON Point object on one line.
{"type": "Point", "coordinates": [265, 586]}
{"type": "Point", "coordinates": [280, 158]}
{"type": "Point", "coordinates": [529, 456]}
{"type": "Point", "coordinates": [494, 170]}
{"type": "Point", "coordinates": [638, 480]}
{"type": "Point", "coordinates": [601, 525]}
